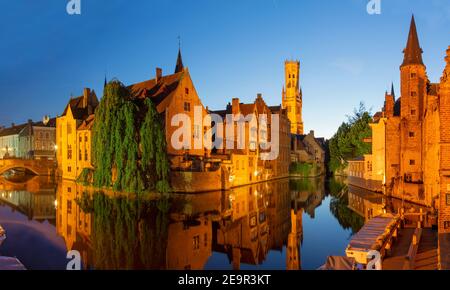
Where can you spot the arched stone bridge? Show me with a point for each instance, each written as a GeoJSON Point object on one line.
{"type": "Point", "coordinates": [38, 167]}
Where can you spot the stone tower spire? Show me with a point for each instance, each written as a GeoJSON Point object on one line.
{"type": "Point", "coordinates": [392, 90]}
{"type": "Point", "coordinates": [413, 52]}
{"type": "Point", "coordinates": [413, 90]}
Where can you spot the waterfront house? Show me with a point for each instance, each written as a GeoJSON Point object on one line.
{"type": "Point", "coordinates": [37, 140]}
{"type": "Point", "coordinates": [9, 141]}
{"type": "Point", "coordinates": [411, 141]}
{"type": "Point", "coordinates": [73, 136]}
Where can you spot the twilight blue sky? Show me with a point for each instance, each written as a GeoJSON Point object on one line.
{"type": "Point", "coordinates": [233, 48]}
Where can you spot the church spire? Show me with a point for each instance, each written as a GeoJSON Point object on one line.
{"type": "Point", "coordinates": [392, 90]}
{"type": "Point", "coordinates": [413, 52]}
{"type": "Point", "coordinates": [179, 67]}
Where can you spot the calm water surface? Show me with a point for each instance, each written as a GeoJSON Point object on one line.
{"type": "Point", "coordinates": [287, 224]}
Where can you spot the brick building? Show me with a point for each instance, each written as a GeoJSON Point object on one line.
{"type": "Point", "coordinates": [410, 138]}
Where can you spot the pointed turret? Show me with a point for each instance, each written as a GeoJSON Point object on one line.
{"type": "Point", "coordinates": [413, 52]}
{"type": "Point", "coordinates": [392, 90]}
{"type": "Point", "coordinates": [179, 67]}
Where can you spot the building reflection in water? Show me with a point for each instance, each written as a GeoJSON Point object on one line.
{"type": "Point", "coordinates": [34, 197]}
{"type": "Point", "coordinates": [181, 232]}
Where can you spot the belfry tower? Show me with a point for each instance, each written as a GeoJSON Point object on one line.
{"type": "Point", "coordinates": [292, 96]}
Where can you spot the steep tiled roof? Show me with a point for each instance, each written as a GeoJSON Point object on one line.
{"type": "Point", "coordinates": [15, 130]}
{"type": "Point", "coordinates": [79, 111]}
{"type": "Point", "coordinates": [433, 89]}
{"type": "Point", "coordinates": [88, 123]}
{"type": "Point", "coordinates": [160, 90]}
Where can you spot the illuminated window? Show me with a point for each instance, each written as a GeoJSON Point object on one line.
{"type": "Point", "coordinates": [196, 242]}
{"type": "Point", "coordinates": [446, 225]}
{"type": "Point", "coordinates": [69, 152]}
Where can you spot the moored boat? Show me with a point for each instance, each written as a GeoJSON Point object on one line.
{"type": "Point", "coordinates": [11, 264]}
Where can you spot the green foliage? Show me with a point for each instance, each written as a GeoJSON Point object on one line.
{"type": "Point", "coordinates": [85, 203]}
{"type": "Point", "coordinates": [303, 184]}
{"type": "Point", "coordinates": [153, 142]}
{"type": "Point", "coordinates": [129, 146]}
{"type": "Point", "coordinates": [303, 169]}
{"type": "Point", "coordinates": [85, 177]}
{"type": "Point", "coordinates": [348, 142]}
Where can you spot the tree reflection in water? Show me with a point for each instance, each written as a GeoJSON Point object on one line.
{"type": "Point", "coordinates": [127, 233]}
{"type": "Point", "coordinates": [249, 226]}
{"type": "Point", "coordinates": [347, 218]}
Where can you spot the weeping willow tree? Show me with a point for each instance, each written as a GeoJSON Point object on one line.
{"type": "Point", "coordinates": [129, 146]}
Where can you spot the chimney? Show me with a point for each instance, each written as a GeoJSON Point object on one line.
{"type": "Point", "coordinates": [13, 125]}
{"type": "Point", "coordinates": [86, 94]}
{"type": "Point", "coordinates": [311, 133]}
{"type": "Point", "coordinates": [259, 96]}
{"type": "Point", "coordinates": [235, 106]}
{"type": "Point", "coordinates": [158, 74]}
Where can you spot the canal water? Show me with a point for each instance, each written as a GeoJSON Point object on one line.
{"type": "Point", "coordinates": [287, 224]}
